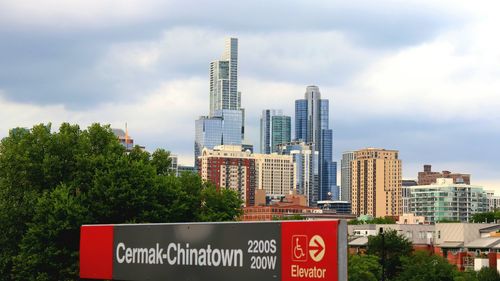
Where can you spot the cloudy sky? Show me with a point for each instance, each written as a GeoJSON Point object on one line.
{"type": "Point", "coordinates": [418, 76]}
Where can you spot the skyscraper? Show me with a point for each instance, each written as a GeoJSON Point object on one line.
{"type": "Point", "coordinates": [225, 123]}
{"type": "Point", "coordinates": [275, 128]}
{"type": "Point", "coordinates": [221, 129]}
{"type": "Point", "coordinates": [224, 79]}
{"type": "Point", "coordinates": [345, 175]}
{"type": "Point", "coordinates": [306, 159]}
{"type": "Point", "coordinates": [311, 126]}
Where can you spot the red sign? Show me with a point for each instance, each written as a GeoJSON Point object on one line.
{"type": "Point", "coordinates": [288, 250]}
{"type": "Point", "coordinates": [309, 251]}
{"type": "Point", "coordinates": [96, 249]}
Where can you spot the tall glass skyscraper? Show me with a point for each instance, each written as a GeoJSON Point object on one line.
{"type": "Point", "coordinates": [275, 128]}
{"type": "Point", "coordinates": [225, 123]}
{"type": "Point", "coordinates": [224, 79]}
{"type": "Point", "coordinates": [221, 129]}
{"type": "Point", "coordinates": [311, 126]}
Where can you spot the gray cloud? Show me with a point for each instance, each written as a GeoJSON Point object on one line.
{"type": "Point", "coordinates": [59, 55]}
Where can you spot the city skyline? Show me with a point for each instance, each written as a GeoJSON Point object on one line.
{"type": "Point", "coordinates": [419, 77]}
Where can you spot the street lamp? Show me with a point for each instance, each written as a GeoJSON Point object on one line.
{"type": "Point", "coordinates": [382, 259]}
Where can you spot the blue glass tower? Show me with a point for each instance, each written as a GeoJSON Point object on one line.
{"type": "Point", "coordinates": [222, 128]}
{"type": "Point", "coordinates": [275, 129]}
{"type": "Point", "coordinates": [312, 126]}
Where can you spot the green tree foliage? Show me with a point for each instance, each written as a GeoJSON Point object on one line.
{"type": "Point", "coordinates": [219, 205]}
{"type": "Point", "coordinates": [488, 274]}
{"type": "Point", "coordinates": [162, 161]}
{"type": "Point", "coordinates": [486, 217]}
{"type": "Point", "coordinates": [294, 217]}
{"type": "Point", "coordinates": [53, 182]}
{"type": "Point", "coordinates": [364, 268]}
{"type": "Point", "coordinates": [49, 247]}
{"type": "Point", "coordinates": [469, 275]}
{"type": "Point", "coordinates": [423, 266]}
{"type": "Point", "coordinates": [447, 221]}
{"type": "Point", "coordinates": [393, 246]}
{"type": "Point", "coordinates": [380, 220]}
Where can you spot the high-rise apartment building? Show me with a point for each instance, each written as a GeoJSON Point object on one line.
{"type": "Point", "coordinates": [311, 126]}
{"type": "Point", "coordinates": [493, 201]}
{"type": "Point", "coordinates": [225, 123]}
{"type": "Point", "coordinates": [275, 128]}
{"type": "Point", "coordinates": [428, 176]}
{"type": "Point", "coordinates": [275, 174]}
{"type": "Point", "coordinates": [445, 200]}
{"type": "Point", "coordinates": [345, 175]}
{"type": "Point", "coordinates": [306, 161]}
{"type": "Point", "coordinates": [229, 167]}
{"type": "Point", "coordinates": [406, 194]}
{"type": "Point", "coordinates": [376, 183]}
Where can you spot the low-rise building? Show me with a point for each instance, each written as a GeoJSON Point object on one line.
{"type": "Point", "coordinates": [411, 219]}
{"type": "Point", "coordinates": [468, 246]}
{"type": "Point", "coordinates": [420, 235]}
{"type": "Point", "coordinates": [339, 207]}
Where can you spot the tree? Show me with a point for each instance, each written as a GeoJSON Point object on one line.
{"type": "Point", "coordinates": [486, 217]}
{"type": "Point", "coordinates": [488, 274]}
{"type": "Point", "coordinates": [162, 161]}
{"type": "Point", "coordinates": [423, 266]}
{"type": "Point", "coordinates": [48, 249]}
{"type": "Point", "coordinates": [52, 183]}
{"type": "Point", "coordinates": [363, 268]}
{"type": "Point", "coordinates": [294, 217]}
{"type": "Point", "coordinates": [379, 220]}
{"type": "Point", "coordinates": [393, 246]}
{"type": "Point", "coordinates": [219, 205]}
{"type": "Point", "coordinates": [468, 275]}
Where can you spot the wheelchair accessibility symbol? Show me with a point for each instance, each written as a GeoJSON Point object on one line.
{"type": "Point", "coordinates": [302, 248]}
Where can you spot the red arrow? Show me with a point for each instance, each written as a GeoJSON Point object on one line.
{"type": "Point", "coordinates": [318, 247]}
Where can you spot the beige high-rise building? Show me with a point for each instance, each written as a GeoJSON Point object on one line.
{"type": "Point", "coordinates": [376, 182]}
{"type": "Point", "coordinates": [275, 173]}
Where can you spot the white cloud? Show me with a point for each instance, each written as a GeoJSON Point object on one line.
{"type": "Point", "coordinates": [454, 76]}
{"type": "Point", "coordinates": [61, 14]}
